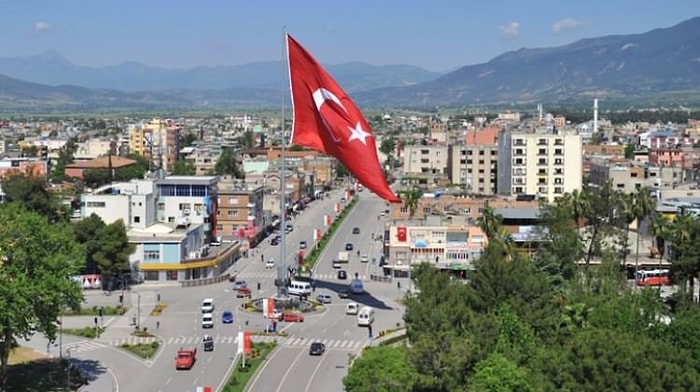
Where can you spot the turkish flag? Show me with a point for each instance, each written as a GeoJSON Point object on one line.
{"type": "Point", "coordinates": [326, 120]}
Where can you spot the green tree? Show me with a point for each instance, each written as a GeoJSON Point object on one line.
{"type": "Point", "coordinates": [387, 146]}
{"type": "Point", "coordinates": [340, 170]}
{"type": "Point", "coordinates": [644, 207]}
{"type": "Point", "coordinates": [516, 341]}
{"type": "Point", "coordinates": [381, 369]}
{"type": "Point", "coordinates": [37, 261]}
{"type": "Point", "coordinates": [135, 171]}
{"type": "Point", "coordinates": [87, 232]}
{"type": "Point", "coordinates": [183, 168]}
{"type": "Point", "coordinates": [247, 140]}
{"type": "Point", "coordinates": [112, 257]}
{"type": "Point", "coordinates": [497, 373]}
{"type": "Point", "coordinates": [33, 193]}
{"type": "Point", "coordinates": [227, 164]}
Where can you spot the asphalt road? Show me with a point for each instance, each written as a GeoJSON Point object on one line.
{"type": "Point", "coordinates": [180, 323]}
{"type": "Point", "coordinates": [290, 368]}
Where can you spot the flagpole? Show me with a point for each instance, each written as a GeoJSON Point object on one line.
{"type": "Point", "coordinates": [282, 270]}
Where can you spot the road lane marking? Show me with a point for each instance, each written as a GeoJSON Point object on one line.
{"type": "Point", "coordinates": [289, 369]}
{"type": "Point", "coordinates": [168, 380]}
{"type": "Point", "coordinates": [313, 374]}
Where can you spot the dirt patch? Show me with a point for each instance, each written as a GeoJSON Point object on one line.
{"type": "Point", "coordinates": [24, 355]}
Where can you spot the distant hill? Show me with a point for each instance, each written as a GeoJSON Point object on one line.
{"type": "Point", "coordinates": [659, 66]}
{"type": "Point", "coordinates": [51, 68]}
{"type": "Point", "coordinates": [614, 67]}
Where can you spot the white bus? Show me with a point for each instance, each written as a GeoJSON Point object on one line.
{"type": "Point", "coordinates": [365, 317]}
{"type": "Point", "coordinates": [299, 288]}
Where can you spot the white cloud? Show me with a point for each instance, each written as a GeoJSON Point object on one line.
{"type": "Point", "coordinates": [511, 30]}
{"type": "Point", "coordinates": [41, 27]}
{"type": "Point", "coordinates": [565, 24]}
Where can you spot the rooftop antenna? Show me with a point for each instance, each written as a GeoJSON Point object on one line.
{"type": "Point", "coordinates": [595, 115]}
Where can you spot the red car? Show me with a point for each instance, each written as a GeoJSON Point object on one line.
{"type": "Point", "coordinates": [243, 293]}
{"type": "Point", "coordinates": [292, 317]}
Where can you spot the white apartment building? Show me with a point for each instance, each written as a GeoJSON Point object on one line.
{"type": "Point", "coordinates": [544, 164]}
{"type": "Point", "coordinates": [426, 159]}
{"type": "Point", "coordinates": [133, 202]}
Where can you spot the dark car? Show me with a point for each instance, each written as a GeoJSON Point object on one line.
{"type": "Point", "coordinates": [317, 348]}
{"type": "Point", "coordinates": [342, 275]}
{"type": "Point", "coordinates": [208, 343]}
{"type": "Point", "coordinates": [343, 293]}
{"type": "Point", "coordinates": [349, 246]}
{"type": "Point", "coordinates": [356, 230]}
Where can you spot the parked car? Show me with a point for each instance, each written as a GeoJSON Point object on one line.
{"type": "Point", "coordinates": [239, 284]}
{"type": "Point", "coordinates": [293, 317]}
{"type": "Point", "coordinates": [356, 230]}
{"type": "Point", "coordinates": [317, 348]}
{"type": "Point", "coordinates": [302, 244]}
{"type": "Point", "coordinates": [342, 275]}
{"type": "Point", "coordinates": [227, 317]}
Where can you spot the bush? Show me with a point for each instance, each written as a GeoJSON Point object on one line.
{"type": "Point", "coordinates": [158, 309]}
{"type": "Point", "coordinates": [86, 332]}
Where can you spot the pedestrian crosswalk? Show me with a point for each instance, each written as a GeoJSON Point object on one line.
{"type": "Point", "coordinates": [291, 341]}
{"type": "Point", "coordinates": [271, 274]}
{"type": "Point", "coordinates": [82, 346]}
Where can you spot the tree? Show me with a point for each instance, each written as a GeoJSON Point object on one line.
{"type": "Point", "coordinates": [37, 261]}
{"type": "Point", "coordinates": [497, 373]}
{"type": "Point", "coordinates": [381, 369]}
{"type": "Point", "coordinates": [247, 140]}
{"type": "Point", "coordinates": [411, 198]}
{"type": "Point", "coordinates": [87, 232]}
{"type": "Point", "coordinates": [33, 193]}
{"type": "Point", "coordinates": [340, 170]}
{"type": "Point", "coordinates": [135, 171]}
{"type": "Point", "coordinates": [644, 206]}
{"type": "Point", "coordinates": [112, 257]}
{"type": "Point", "coordinates": [227, 164]}
{"type": "Point", "coordinates": [183, 168]}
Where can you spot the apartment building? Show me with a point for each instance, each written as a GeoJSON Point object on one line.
{"type": "Point", "coordinates": [473, 164]}
{"type": "Point", "coordinates": [157, 141]}
{"type": "Point", "coordinates": [469, 208]}
{"type": "Point", "coordinates": [203, 159]}
{"type": "Point", "coordinates": [27, 166]}
{"type": "Point", "coordinates": [681, 157]}
{"type": "Point", "coordinates": [321, 168]}
{"type": "Point", "coordinates": [438, 131]}
{"type": "Point", "coordinates": [193, 198]}
{"type": "Point", "coordinates": [419, 159]}
{"type": "Point", "coordinates": [544, 164]}
{"type": "Point", "coordinates": [240, 210]}
{"type": "Point", "coordinates": [624, 175]}
{"type": "Point", "coordinates": [133, 202]}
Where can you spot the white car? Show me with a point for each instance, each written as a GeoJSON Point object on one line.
{"type": "Point", "coordinates": [269, 264]}
{"type": "Point", "coordinates": [207, 320]}
{"type": "Point", "coordinates": [208, 305]}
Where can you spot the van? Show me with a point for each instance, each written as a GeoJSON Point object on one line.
{"type": "Point", "coordinates": [356, 286]}
{"type": "Point", "coordinates": [208, 305]}
{"type": "Point", "coordinates": [352, 308]}
{"type": "Point", "coordinates": [365, 317]}
{"type": "Point", "coordinates": [299, 288]}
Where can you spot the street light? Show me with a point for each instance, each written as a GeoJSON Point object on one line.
{"type": "Point", "coordinates": [68, 369]}
{"type": "Point", "coordinates": [60, 336]}
{"type": "Point", "coordinates": [138, 314]}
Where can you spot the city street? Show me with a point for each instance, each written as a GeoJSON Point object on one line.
{"type": "Point", "coordinates": [291, 368]}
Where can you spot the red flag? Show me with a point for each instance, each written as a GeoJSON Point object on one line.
{"type": "Point", "coordinates": [326, 120]}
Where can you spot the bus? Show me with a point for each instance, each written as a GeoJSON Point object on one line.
{"type": "Point", "coordinates": [657, 277]}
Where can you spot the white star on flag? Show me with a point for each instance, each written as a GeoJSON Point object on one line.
{"type": "Point", "coordinates": [358, 133]}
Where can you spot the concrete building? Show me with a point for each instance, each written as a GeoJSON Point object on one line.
{"type": "Point", "coordinates": [429, 160]}
{"type": "Point", "coordinates": [193, 198]}
{"type": "Point", "coordinates": [203, 159]}
{"type": "Point", "coordinates": [157, 141]}
{"type": "Point", "coordinates": [544, 164]}
{"type": "Point", "coordinates": [28, 166]}
{"type": "Point", "coordinates": [133, 202]}
{"type": "Point", "coordinates": [240, 212]}
{"type": "Point", "coordinates": [473, 164]}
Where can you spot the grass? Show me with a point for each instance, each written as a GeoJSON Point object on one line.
{"type": "Point", "coordinates": [95, 311]}
{"type": "Point", "coordinates": [143, 333]}
{"type": "Point", "coordinates": [241, 376]}
{"type": "Point", "coordinates": [313, 256]}
{"type": "Point", "coordinates": [143, 350]}
{"type": "Point", "coordinates": [32, 371]}
{"type": "Point", "coordinates": [86, 332]}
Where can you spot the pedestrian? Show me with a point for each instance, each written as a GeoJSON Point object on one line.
{"type": "Point", "coordinates": [158, 324]}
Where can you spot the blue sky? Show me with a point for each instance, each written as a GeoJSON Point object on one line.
{"type": "Point", "coordinates": [437, 35]}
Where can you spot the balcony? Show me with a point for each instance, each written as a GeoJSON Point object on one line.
{"type": "Point", "coordinates": [542, 162]}
{"type": "Point", "coordinates": [519, 172]}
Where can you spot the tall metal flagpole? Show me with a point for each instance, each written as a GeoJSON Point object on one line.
{"type": "Point", "coordinates": [282, 269]}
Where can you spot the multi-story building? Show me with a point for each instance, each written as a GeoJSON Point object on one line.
{"type": "Point", "coordinates": [194, 198]}
{"type": "Point", "coordinates": [431, 160]}
{"type": "Point", "coordinates": [240, 210]}
{"type": "Point", "coordinates": [158, 141]}
{"type": "Point", "coordinates": [681, 157]}
{"type": "Point", "coordinates": [133, 202]}
{"type": "Point", "coordinates": [468, 208]}
{"type": "Point", "coordinates": [27, 166]}
{"type": "Point", "coordinates": [321, 168]}
{"type": "Point", "coordinates": [473, 164]}
{"type": "Point", "coordinates": [625, 176]}
{"type": "Point", "coordinates": [438, 131]}
{"type": "Point", "coordinates": [204, 159]}
{"type": "Point", "coordinates": [544, 164]}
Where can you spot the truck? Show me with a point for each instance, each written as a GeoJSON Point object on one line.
{"type": "Point", "coordinates": [343, 257]}
{"type": "Point", "coordinates": [185, 358]}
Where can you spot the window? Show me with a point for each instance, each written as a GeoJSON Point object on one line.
{"type": "Point", "coordinates": [152, 255]}
{"type": "Point", "coordinates": [137, 219]}
{"type": "Point", "coordinates": [183, 206]}
{"type": "Point", "coordinates": [404, 210]}
{"type": "Point", "coordinates": [232, 213]}
{"type": "Point", "coordinates": [232, 201]}
{"type": "Point", "coordinates": [96, 204]}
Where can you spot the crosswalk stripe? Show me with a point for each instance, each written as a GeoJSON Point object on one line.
{"type": "Point", "coordinates": [336, 343]}
{"type": "Point", "coordinates": [325, 342]}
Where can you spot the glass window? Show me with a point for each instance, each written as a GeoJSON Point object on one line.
{"type": "Point", "coordinates": [151, 255]}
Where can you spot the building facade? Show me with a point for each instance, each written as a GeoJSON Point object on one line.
{"type": "Point", "coordinates": [189, 198]}
{"type": "Point", "coordinates": [240, 213]}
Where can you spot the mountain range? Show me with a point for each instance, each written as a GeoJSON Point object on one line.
{"type": "Point", "coordinates": [623, 67]}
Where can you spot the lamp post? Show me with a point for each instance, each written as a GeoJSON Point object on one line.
{"type": "Point", "coordinates": [60, 336]}
{"type": "Point", "coordinates": [68, 369]}
{"type": "Point", "coordinates": [138, 310]}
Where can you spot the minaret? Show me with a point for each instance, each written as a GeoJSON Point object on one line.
{"type": "Point", "coordinates": [595, 115]}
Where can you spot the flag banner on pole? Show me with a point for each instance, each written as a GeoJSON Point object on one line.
{"type": "Point", "coordinates": [326, 120]}
{"type": "Point", "coordinates": [241, 338]}
{"type": "Point", "coordinates": [337, 207]}
{"type": "Point", "coordinates": [246, 343]}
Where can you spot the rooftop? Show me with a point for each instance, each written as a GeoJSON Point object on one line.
{"type": "Point", "coordinates": [188, 180]}
{"type": "Point", "coordinates": [102, 163]}
{"type": "Point", "coordinates": [517, 213]}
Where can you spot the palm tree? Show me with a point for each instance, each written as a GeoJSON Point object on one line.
{"type": "Point", "coordinates": [411, 200]}
{"type": "Point", "coordinates": [627, 213]}
{"type": "Point", "coordinates": [644, 206]}
{"type": "Point", "coordinates": [489, 222]}
{"type": "Point", "coordinates": [661, 231]}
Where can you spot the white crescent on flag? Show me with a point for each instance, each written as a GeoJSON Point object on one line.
{"type": "Point", "coordinates": [322, 95]}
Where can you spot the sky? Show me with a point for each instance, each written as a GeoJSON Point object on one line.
{"type": "Point", "coordinates": [437, 35]}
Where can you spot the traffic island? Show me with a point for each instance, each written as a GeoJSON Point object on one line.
{"type": "Point", "coordinates": [242, 374]}
{"type": "Point", "coordinates": [85, 332]}
{"type": "Point", "coordinates": [143, 350]}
